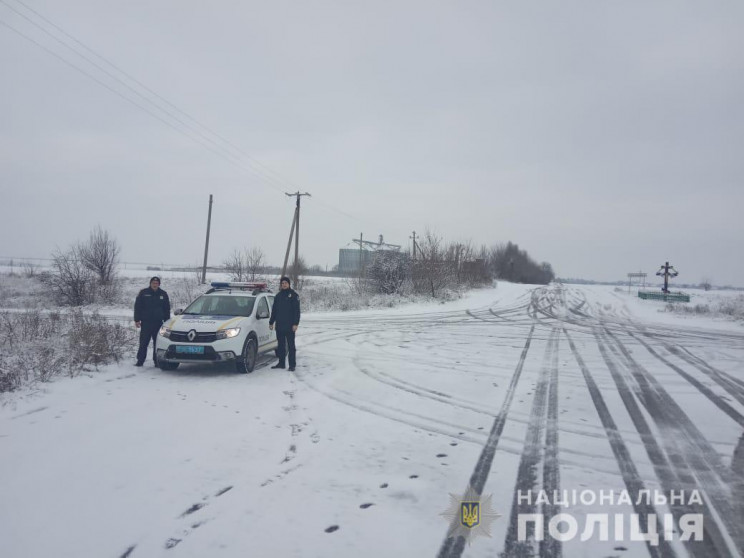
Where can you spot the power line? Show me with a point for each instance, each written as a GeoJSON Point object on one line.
{"type": "Point", "coordinates": [119, 94]}
{"type": "Point", "coordinates": [272, 179]}
{"type": "Point", "coordinates": [225, 153]}
{"type": "Point", "coordinates": [149, 90]}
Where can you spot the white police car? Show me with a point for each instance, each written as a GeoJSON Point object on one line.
{"type": "Point", "coordinates": [230, 322]}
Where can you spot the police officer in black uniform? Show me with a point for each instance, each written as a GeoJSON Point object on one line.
{"type": "Point", "coordinates": [286, 314]}
{"type": "Point", "coordinates": [151, 309]}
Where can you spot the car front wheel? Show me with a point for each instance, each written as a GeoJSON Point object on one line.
{"type": "Point", "coordinates": [165, 365]}
{"type": "Point", "coordinates": [247, 360]}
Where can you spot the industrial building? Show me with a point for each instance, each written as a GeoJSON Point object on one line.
{"type": "Point", "coordinates": [361, 253]}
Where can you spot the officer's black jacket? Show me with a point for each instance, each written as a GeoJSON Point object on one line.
{"type": "Point", "coordinates": [152, 306]}
{"type": "Point", "coordinates": [286, 310]}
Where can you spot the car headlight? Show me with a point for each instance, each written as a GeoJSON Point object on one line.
{"type": "Point", "coordinates": [228, 333]}
{"type": "Point", "coordinates": [165, 332]}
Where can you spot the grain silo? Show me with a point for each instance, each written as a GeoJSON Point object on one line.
{"type": "Point", "coordinates": [361, 253]}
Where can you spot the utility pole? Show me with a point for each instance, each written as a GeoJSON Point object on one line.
{"type": "Point", "coordinates": [295, 230]}
{"type": "Point", "coordinates": [414, 246]}
{"type": "Point", "coordinates": [289, 243]}
{"type": "Point", "coordinates": [361, 252]}
{"type": "Point", "coordinates": [206, 245]}
{"type": "Point", "coordinates": [666, 272]}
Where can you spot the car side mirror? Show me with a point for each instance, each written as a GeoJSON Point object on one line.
{"type": "Point", "coordinates": [262, 315]}
{"type": "Point", "coordinates": [178, 312]}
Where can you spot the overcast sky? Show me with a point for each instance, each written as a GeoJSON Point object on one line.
{"type": "Point", "coordinates": [603, 137]}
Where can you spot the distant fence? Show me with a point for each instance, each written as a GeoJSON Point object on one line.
{"type": "Point", "coordinates": [666, 297]}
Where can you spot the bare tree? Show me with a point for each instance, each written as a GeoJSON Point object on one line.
{"type": "Point", "coordinates": [254, 259]}
{"type": "Point", "coordinates": [236, 265]}
{"type": "Point", "coordinates": [432, 271]}
{"type": "Point", "coordinates": [100, 254]}
{"type": "Point", "coordinates": [245, 264]}
{"type": "Point", "coordinates": [706, 284]}
{"type": "Point", "coordinates": [461, 256]}
{"type": "Point", "coordinates": [70, 282]}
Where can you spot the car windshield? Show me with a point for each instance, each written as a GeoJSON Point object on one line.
{"type": "Point", "coordinates": [222, 306]}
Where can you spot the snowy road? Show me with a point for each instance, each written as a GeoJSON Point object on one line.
{"type": "Point", "coordinates": [511, 389]}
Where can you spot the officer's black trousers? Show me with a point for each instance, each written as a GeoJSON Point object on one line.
{"type": "Point", "coordinates": [286, 340]}
{"type": "Point", "coordinates": [148, 331]}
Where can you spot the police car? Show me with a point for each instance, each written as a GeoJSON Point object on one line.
{"type": "Point", "coordinates": [229, 323]}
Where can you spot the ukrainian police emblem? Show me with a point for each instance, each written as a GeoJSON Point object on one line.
{"type": "Point", "coordinates": [470, 515]}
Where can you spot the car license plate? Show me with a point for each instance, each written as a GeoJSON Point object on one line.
{"type": "Point", "coordinates": [189, 350]}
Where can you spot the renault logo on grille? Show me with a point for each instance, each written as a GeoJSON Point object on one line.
{"type": "Point", "coordinates": [191, 335]}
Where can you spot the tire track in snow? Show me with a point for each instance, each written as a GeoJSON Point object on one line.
{"type": "Point", "coordinates": [398, 415]}
{"type": "Point", "coordinates": [701, 387]}
{"type": "Point", "coordinates": [453, 547]}
{"type": "Point", "coordinates": [672, 471]}
{"type": "Point", "coordinates": [632, 479]}
{"type": "Point", "coordinates": [550, 547]}
{"type": "Point", "coordinates": [684, 353]}
{"type": "Point", "coordinates": [733, 386]}
{"type": "Point", "coordinates": [696, 452]}
{"type": "Point", "coordinates": [539, 447]}
{"type": "Point", "coordinates": [467, 405]}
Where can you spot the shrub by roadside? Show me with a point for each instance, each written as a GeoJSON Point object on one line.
{"type": "Point", "coordinates": [727, 307]}
{"type": "Point", "coordinates": [36, 346]}
{"type": "Point", "coordinates": [356, 294]}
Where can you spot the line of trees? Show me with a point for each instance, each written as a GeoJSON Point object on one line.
{"type": "Point", "coordinates": [86, 272]}
{"type": "Point", "coordinates": [508, 262]}
{"type": "Point", "coordinates": [439, 265]}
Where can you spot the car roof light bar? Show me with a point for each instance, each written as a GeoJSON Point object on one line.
{"type": "Point", "coordinates": [238, 285]}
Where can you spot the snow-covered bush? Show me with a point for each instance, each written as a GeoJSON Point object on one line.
{"type": "Point", "coordinates": [36, 346]}
{"type": "Point", "coordinates": [358, 294]}
{"type": "Point", "coordinates": [733, 307]}
{"type": "Point", "coordinates": [728, 307]}
{"type": "Point", "coordinates": [390, 273]}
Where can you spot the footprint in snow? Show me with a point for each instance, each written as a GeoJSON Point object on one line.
{"type": "Point", "coordinates": [192, 509]}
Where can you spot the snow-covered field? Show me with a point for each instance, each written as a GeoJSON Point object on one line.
{"type": "Point", "coordinates": [356, 454]}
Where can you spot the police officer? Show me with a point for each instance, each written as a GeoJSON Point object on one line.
{"type": "Point", "coordinates": [286, 313]}
{"type": "Point", "coordinates": [151, 309]}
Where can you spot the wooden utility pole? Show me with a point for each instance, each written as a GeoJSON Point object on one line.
{"type": "Point", "coordinates": [414, 246]}
{"type": "Point", "coordinates": [295, 230]}
{"type": "Point", "coordinates": [289, 243]}
{"type": "Point", "coordinates": [206, 245]}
